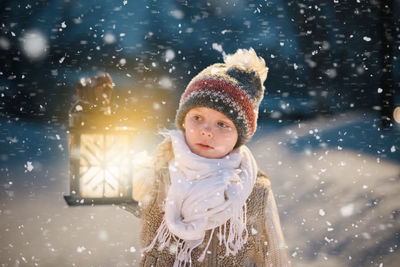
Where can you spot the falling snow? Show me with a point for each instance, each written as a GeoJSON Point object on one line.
{"type": "Point", "coordinates": [80, 249]}
{"type": "Point", "coordinates": [217, 47]}
{"type": "Point", "coordinates": [169, 55]}
{"type": "Point", "coordinates": [347, 210]}
{"type": "Point", "coordinates": [28, 166]}
{"type": "Point", "coordinates": [109, 38]}
{"type": "Point", "coordinates": [332, 164]}
{"type": "Point", "coordinates": [367, 39]}
{"type": "Point", "coordinates": [321, 212]}
{"type": "Point", "coordinates": [34, 44]}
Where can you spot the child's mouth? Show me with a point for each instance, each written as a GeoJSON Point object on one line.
{"type": "Point", "coordinates": [204, 146]}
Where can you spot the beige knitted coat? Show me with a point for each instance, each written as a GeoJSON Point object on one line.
{"type": "Point", "coordinates": [265, 245]}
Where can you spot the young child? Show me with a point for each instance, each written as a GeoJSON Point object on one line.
{"type": "Point", "coordinates": [205, 202]}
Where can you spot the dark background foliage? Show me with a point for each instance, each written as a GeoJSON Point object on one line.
{"type": "Point", "coordinates": [324, 56]}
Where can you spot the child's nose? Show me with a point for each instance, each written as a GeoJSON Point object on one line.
{"type": "Point", "coordinates": [206, 131]}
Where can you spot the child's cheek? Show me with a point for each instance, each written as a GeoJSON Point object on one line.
{"type": "Point", "coordinates": [220, 149]}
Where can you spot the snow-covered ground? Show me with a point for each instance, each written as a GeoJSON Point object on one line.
{"type": "Point", "coordinates": [335, 179]}
{"type": "Point", "coordinates": [336, 182]}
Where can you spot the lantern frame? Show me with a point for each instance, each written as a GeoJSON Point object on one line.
{"type": "Point", "coordinates": [105, 125]}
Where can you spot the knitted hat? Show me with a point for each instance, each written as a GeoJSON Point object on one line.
{"type": "Point", "coordinates": [234, 88]}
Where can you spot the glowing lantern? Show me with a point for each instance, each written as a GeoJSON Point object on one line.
{"type": "Point", "coordinates": [100, 157]}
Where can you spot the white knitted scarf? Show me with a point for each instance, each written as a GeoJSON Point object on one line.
{"type": "Point", "coordinates": [204, 194]}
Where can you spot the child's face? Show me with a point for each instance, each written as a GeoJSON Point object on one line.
{"type": "Point", "coordinates": [209, 133]}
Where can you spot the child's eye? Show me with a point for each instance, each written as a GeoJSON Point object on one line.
{"type": "Point", "coordinates": [222, 124]}
{"type": "Point", "coordinates": [196, 117]}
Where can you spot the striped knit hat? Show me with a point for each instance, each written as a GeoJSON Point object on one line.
{"type": "Point", "coordinates": [234, 88]}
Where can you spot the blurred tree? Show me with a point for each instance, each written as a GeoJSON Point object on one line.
{"type": "Point", "coordinates": [312, 34]}
{"type": "Point", "coordinates": [328, 51]}
{"type": "Point", "coordinates": [387, 101]}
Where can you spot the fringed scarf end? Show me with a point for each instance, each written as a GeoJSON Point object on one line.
{"type": "Point", "coordinates": [235, 239]}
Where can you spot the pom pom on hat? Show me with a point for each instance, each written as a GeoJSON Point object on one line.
{"type": "Point", "coordinates": [248, 59]}
{"type": "Point", "coordinates": [234, 88]}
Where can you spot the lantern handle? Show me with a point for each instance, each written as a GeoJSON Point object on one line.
{"type": "Point", "coordinates": [94, 94]}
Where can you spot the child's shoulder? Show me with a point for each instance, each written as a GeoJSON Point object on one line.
{"type": "Point", "coordinates": [260, 190]}
{"type": "Point", "coordinates": [263, 179]}
{"type": "Point", "coordinates": [163, 153]}
{"type": "Point", "coordinates": [262, 175]}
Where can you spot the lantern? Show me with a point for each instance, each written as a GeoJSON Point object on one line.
{"type": "Point", "coordinates": [100, 156]}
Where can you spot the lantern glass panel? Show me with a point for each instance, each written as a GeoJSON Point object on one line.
{"type": "Point", "coordinates": [104, 165]}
